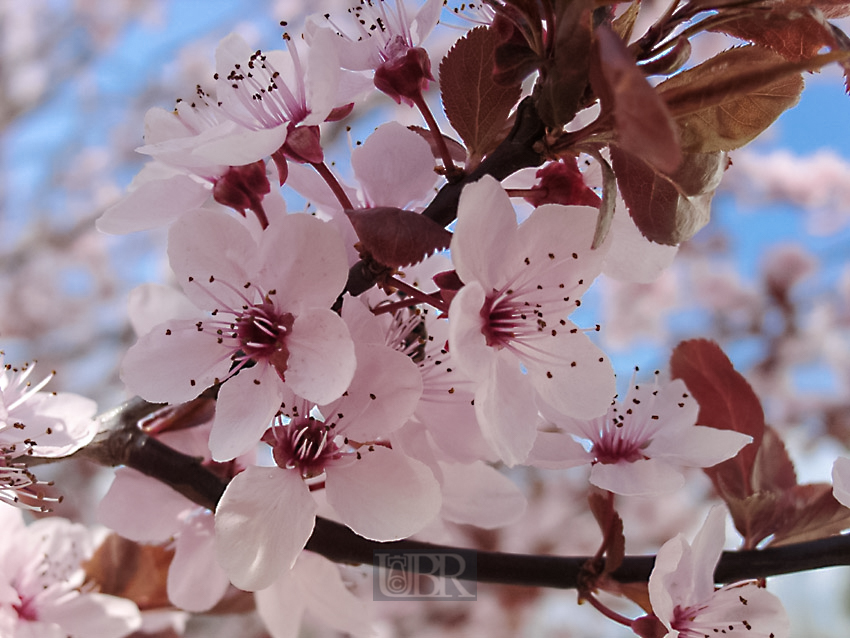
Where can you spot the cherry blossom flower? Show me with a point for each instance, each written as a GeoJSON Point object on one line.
{"type": "Point", "coordinates": [639, 445]}
{"type": "Point", "coordinates": [267, 514]}
{"type": "Point", "coordinates": [509, 330]}
{"type": "Point", "coordinates": [41, 579]}
{"type": "Point", "coordinates": [197, 152]}
{"type": "Point", "coordinates": [35, 423]}
{"type": "Point", "coordinates": [684, 599]}
{"type": "Point", "coordinates": [145, 510]}
{"type": "Point", "coordinates": [387, 41]}
{"type": "Point", "coordinates": [269, 322]}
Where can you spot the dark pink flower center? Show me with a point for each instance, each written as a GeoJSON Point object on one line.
{"type": "Point", "coordinates": [305, 444]}
{"type": "Point", "coordinates": [262, 331]}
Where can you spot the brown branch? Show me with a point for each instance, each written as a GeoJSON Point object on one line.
{"type": "Point", "coordinates": [121, 442]}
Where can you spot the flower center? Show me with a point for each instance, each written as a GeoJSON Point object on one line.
{"type": "Point", "coordinates": [262, 332]}
{"type": "Point", "coordinates": [305, 444]}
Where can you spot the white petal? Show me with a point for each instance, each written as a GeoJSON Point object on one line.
{"type": "Point", "coordinates": [141, 508]}
{"type": "Point", "coordinates": [262, 523]}
{"type": "Point", "coordinates": [385, 495]}
{"type": "Point", "coordinates": [196, 582]}
{"type": "Point", "coordinates": [480, 495]}
{"type": "Point", "coordinates": [644, 477]}
{"type": "Point", "coordinates": [322, 78]}
{"type": "Point", "coordinates": [486, 224]}
{"type": "Point", "coordinates": [762, 616]}
{"type": "Point", "coordinates": [321, 360]}
{"type": "Point", "coordinates": [245, 407]}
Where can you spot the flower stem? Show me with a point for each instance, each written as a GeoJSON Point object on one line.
{"type": "Point", "coordinates": [331, 180]}
{"type": "Point", "coordinates": [415, 293]}
{"type": "Point", "coordinates": [453, 173]}
{"type": "Point", "coordinates": [605, 611]}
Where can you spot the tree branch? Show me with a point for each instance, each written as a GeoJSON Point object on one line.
{"type": "Point", "coordinates": [121, 442]}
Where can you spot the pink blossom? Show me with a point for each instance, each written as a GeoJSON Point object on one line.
{"type": "Point", "coordinates": [684, 599]}
{"type": "Point", "coordinates": [41, 578]}
{"type": "Point", "coordinates": [639, 446]}
{"type": "Point", "coordinates": [35, 423]}
{"type": "Point", "coordinates": [509, 330]}
{"type": "Point", "coordinates": [269, 321]}
{"type": "Point", "coordinates": [267, 514]}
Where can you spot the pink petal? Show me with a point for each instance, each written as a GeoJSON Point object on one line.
{"type": "Point", "coordinates": [164, 363]}
{"type": "Point", "coordinates": [231, 144]}
{"type": "Point", "coordinates": [196, 582]}
{"type": "Point", "coordinates": [209, 245]}
{"type": "Point", "coordinates": [321, 360]}
{"type": "Point", "coordinates": [245, 407]}
{"type": "Point", "coordinates": [262, 523]}
{"type": "Point", "coordinates": [557, 451]}
{"type": "Point", "coordinates": [322, 80]}
{"type": "Point", "coordinates": [303, 259]}
{"type": "Point", "coordinates": [382, 396]}
{"type": "Point", "coordinates": [506, 411]}
{"type": "Point", "coordinates": [696, 446]}
{"type": "Point", "coordinates": [486, 224]}
{"type": "Point", "coordinates": [480, 495]}
{"type": "Point", "coordinates": [395, 166]}
{"type": "Point", "coordinates": [94, 615]}
{"type": "Point", "coordinates": [141, 508]}
{"type": "Point", "coordinates": [327, 596]}
{"type": "Point", "coordinates": [466, 340]}
{"type": "Point", "coordinates": [632, 257]}
{"type": "Point", "coordinates": [151, 304]}
{"type": "Point", "coordinates": [384, 495]}
{"type": "Point", "coordinates": [644, 477]}
{"type": "Point", "coordinates": [573, 376]}
{"type": "Point", "coordinates": [153, 204]}
{"type": "Point", "coordinates": [281, 605]}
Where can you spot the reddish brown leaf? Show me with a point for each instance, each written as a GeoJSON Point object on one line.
{"type": "Point", "coordinates": [726, 121]}
{"type": "Point", "coordinates": [476, 106]}
{"type": "Point", "coordinates": [121, 567]}
{"type": "Point", "coordinates": [396, 237]}
{"type": "Point", "coordinates": [644, 127]}
{"type": "Point", "coordinates": [737, 72]}
{"type": "Point", "coordinates": [773, 470]}
{"type": "Point", "coordinates": [563, 76]}
{"type": "Point", "coordinates": [794, 33]}
{"type": "Point", "coordinates": [669, 209]}
{"type": "Point", "coordinates": [602, 505]}
{"type": "Point", "coordinates": [624, 24]}
{"type": "Point", "coordinates": [810, 512]}
{"type": "Point", "coordinates": [727, 402]}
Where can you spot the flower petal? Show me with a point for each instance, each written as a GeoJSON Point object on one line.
{"type": "Point", "coordinates": [384, 495]}
{"type": "Point", "coordinates": [262, 523]}
{"type": "Point", "coordinates": [644, 477]}
{"type": "Point", "coordinates": [245, 407]}
{"type": "Point", "coordinates": [321, 360]}
{"type": "Point", "coordinates": [480, 495]}
{"type": "Point", "coordinates": [196, 582]}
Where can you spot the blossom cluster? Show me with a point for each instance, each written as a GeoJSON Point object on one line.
{"type": "Point", "coordinates": [367, 360]}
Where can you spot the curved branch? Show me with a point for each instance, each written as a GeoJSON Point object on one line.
{"type": "Point", "coordinates": [121, 442]}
